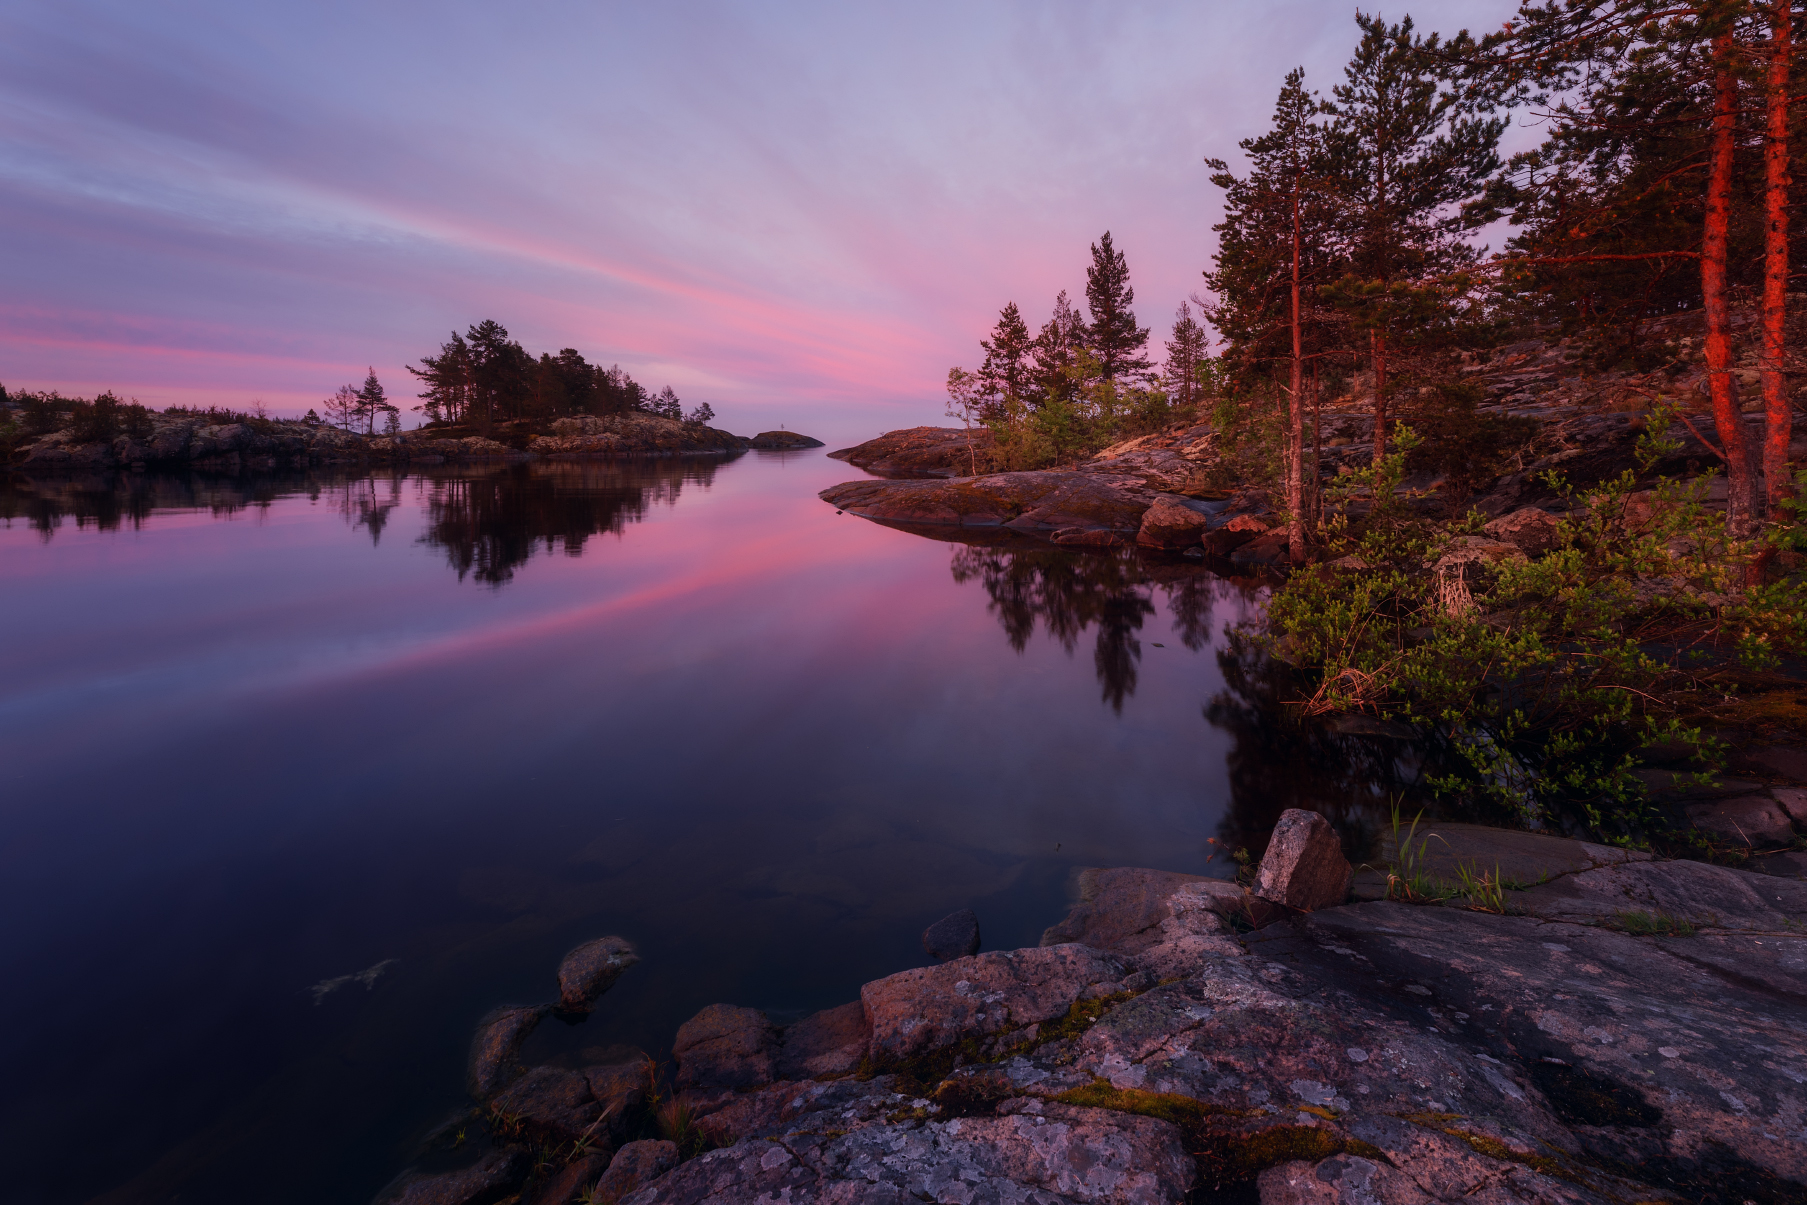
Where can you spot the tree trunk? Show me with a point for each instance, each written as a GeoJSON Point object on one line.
{"type": "Point", "coordinates": [1740, 514]}
{"type": "Point", "coordinates": [1778, 415]}
{"type": "Point", "coordinates": [1378, 349]}
{"type": "Point", "coordinates": [1295, 426]}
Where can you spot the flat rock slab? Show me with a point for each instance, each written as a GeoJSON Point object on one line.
{"type": "Point", "coordinates": [1049, 501]}
{"type": "Point", "coordinates": [1789, 865]}
{"type": "Point", "coordinates": [1791, 763]}
{"type": "Point", "coordinates": [1705, 896]}
{"type": "Point", "coordinates": [1128, 909]}
{"type": "Point", "coordinates": [1753, 821]}
{"type": "Point", "coordinates": [920, 1010]}
{"type": "Point", "coordinates": [1444, 850]}
{"type": "Point", "coordinates": [1058, 1154]}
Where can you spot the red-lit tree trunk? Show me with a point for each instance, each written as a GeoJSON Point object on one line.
{"type": "Point", "coordinates": [1727, 420]}
{"type": "Point", "coordinates": [1295, 425]}
{"type": "Point", "coordinates": [1778, 415]}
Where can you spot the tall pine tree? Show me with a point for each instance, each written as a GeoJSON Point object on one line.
{"type": "Point", "coordinates": [1113, 336]}
{"type": "Point", "coordinates": [1008, 374]}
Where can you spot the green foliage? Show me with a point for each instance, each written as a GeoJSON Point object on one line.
{"type": "Point", "coordinates": [1463, 447]}
{"type": "Point", "coordinates": [1537, 681]}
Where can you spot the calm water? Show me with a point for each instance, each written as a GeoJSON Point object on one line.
{"type": "Point", "coordinates": [262, 733]}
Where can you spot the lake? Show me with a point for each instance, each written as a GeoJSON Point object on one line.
{"type": "Point", "coordinates": [262, 734]}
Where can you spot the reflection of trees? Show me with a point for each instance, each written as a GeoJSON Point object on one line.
{"type": "Point", "coordinates": [1278, 760]}
{"type": "Point", "coordinates": [1068, 591]}
{"type": "Point", "coordinates": [491, 525]}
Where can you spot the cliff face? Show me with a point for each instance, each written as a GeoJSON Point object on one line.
{"type": "Point", "coordinates": [185, 440]}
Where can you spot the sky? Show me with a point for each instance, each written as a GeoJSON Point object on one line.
{"type": "Point", "coordinates": [802, 214]}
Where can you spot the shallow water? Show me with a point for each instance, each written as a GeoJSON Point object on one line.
{"type": "Point", "coordinates": [304, 774]}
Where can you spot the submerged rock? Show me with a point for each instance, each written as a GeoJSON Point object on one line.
{"type": "Point", "coordinates": [590, 970]}
{"type": "Point", "coordinates": [725, 1046]}
{"type": "Point", "coordinates": [1129, 909]}
{"type": "Point", "coordinates": [1304, 866]}
{"type": "Point", "coordinates": [495, 1048]}
{"type": "Point", "coordinates": [489, 1180]}
{"type": "Point", "coordinates": [953, 936]}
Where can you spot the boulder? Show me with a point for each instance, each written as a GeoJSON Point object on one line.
{"type": "Point", "coordinates": [1267, 550]}
{"type": "Point", "coordinates": [1170, 523]}
{"type": "Point", "coordinates": [489, 1180]}
{"type": "Point", "coordinates": [953, 936]}
{"type": "Point", "coordinates": [1468, 551]}
{"type": "Point", "coordinates": [1528, 529]}
{"type": "Point", "coordinates": [634, 1167]}
{"type": "Point", "coordinates": [725, 1047]}
{"type": "Point", "coordinates": [496, 1045]}
{"type": "Point", "coordinates": [1304, 866]}
{"type": "Point", "coordinates": [1749, 820]}
{"type": "Point", "coordinates": [1129, 909]}
{"type": "Point", "coordinates": [1232, 534]}
{"type": "Point", "coordinates": [831, 1042]}
{"type": "Point", "coordinates": [590, 970]}
{"type": "Point", "coordinates": [916, 1011]}
{"type": "Point", "coordinates": [555, 1105]}
{"type": "Point", "coordinates": [619, 1090]}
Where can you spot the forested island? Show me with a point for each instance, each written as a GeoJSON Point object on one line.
{"type": "Point", "coordinates": [483, 396]}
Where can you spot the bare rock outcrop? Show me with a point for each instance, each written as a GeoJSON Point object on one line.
{"type": "Point", "coordinates": [923, 452]}
{"type": "Point", "coordinates": [725, 1046]}
{"type": "Point", "coordinates": [1071, 507]}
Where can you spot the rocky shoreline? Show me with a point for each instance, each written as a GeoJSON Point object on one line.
{"type": "Point", "coordinates": [183, 439]}
{"type": "Point", "coordinates": [1178, 1038]}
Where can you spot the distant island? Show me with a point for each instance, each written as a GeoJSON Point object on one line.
{"type": "Point", "coordinates": [485, 398]}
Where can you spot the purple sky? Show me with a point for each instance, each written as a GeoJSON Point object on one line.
{"type": "Point", "coordinates": [797, 213]}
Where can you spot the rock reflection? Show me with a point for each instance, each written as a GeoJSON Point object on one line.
{"type": "Point", "coordinates": [1068, 592]}
{"type": "Point", "coordinates": [1279, 760]}
{"type": "Point", "coordinates": [491, 525]}
{"type": "Point", "coordinates": [110, 501]}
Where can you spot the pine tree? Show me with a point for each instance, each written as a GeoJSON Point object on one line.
{"type": "Point", "coordinates": [702, 415]}
{"type": "Point", "coordinates": [667, 405]}
{"type": "Point", "coordinates": [1186, 359]}
{"type": "Point", "coordinates": [1008, 374]}
{"type": "Point", "coordinates": [1408, 155]}
{"type": "Point", "coordinates": [1113, 336]}
{"type": "Point", "coordinates": [1056, 351]}
{"type": "Point", "coordinates": [342, 408]}
{"type": "Point", "coordinates": [372, 402]}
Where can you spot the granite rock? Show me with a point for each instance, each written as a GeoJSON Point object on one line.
{"type": "Point", "coordinates": [1170, 523]}
{"type": "Point", "coordinates": [590, 970]}
{"type": "Point", "coordinates": [1753, 821]}
{"type": "Point", "coordinates": [831, 1042]}
{"type": "Point", "coordinates": [1304, 866]}
{"type": "Point", "coordinates": [635, 1166]}
{"type": "Point", "coordinates": [496, 1046]}
{"type": "Point", "coordinates": [725, 1046]}
{"type": "Point", "coordinates": [955, 935]}
{"type": "Point", "coordinates": [489, 1180]}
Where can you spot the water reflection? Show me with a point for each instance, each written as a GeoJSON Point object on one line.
{"type": "Point", "coordinates": [489, 522]}
{"type": "Point", "coordinates": [1067, 592]}
{"type": "Point", "coordinates": [489, 526]}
